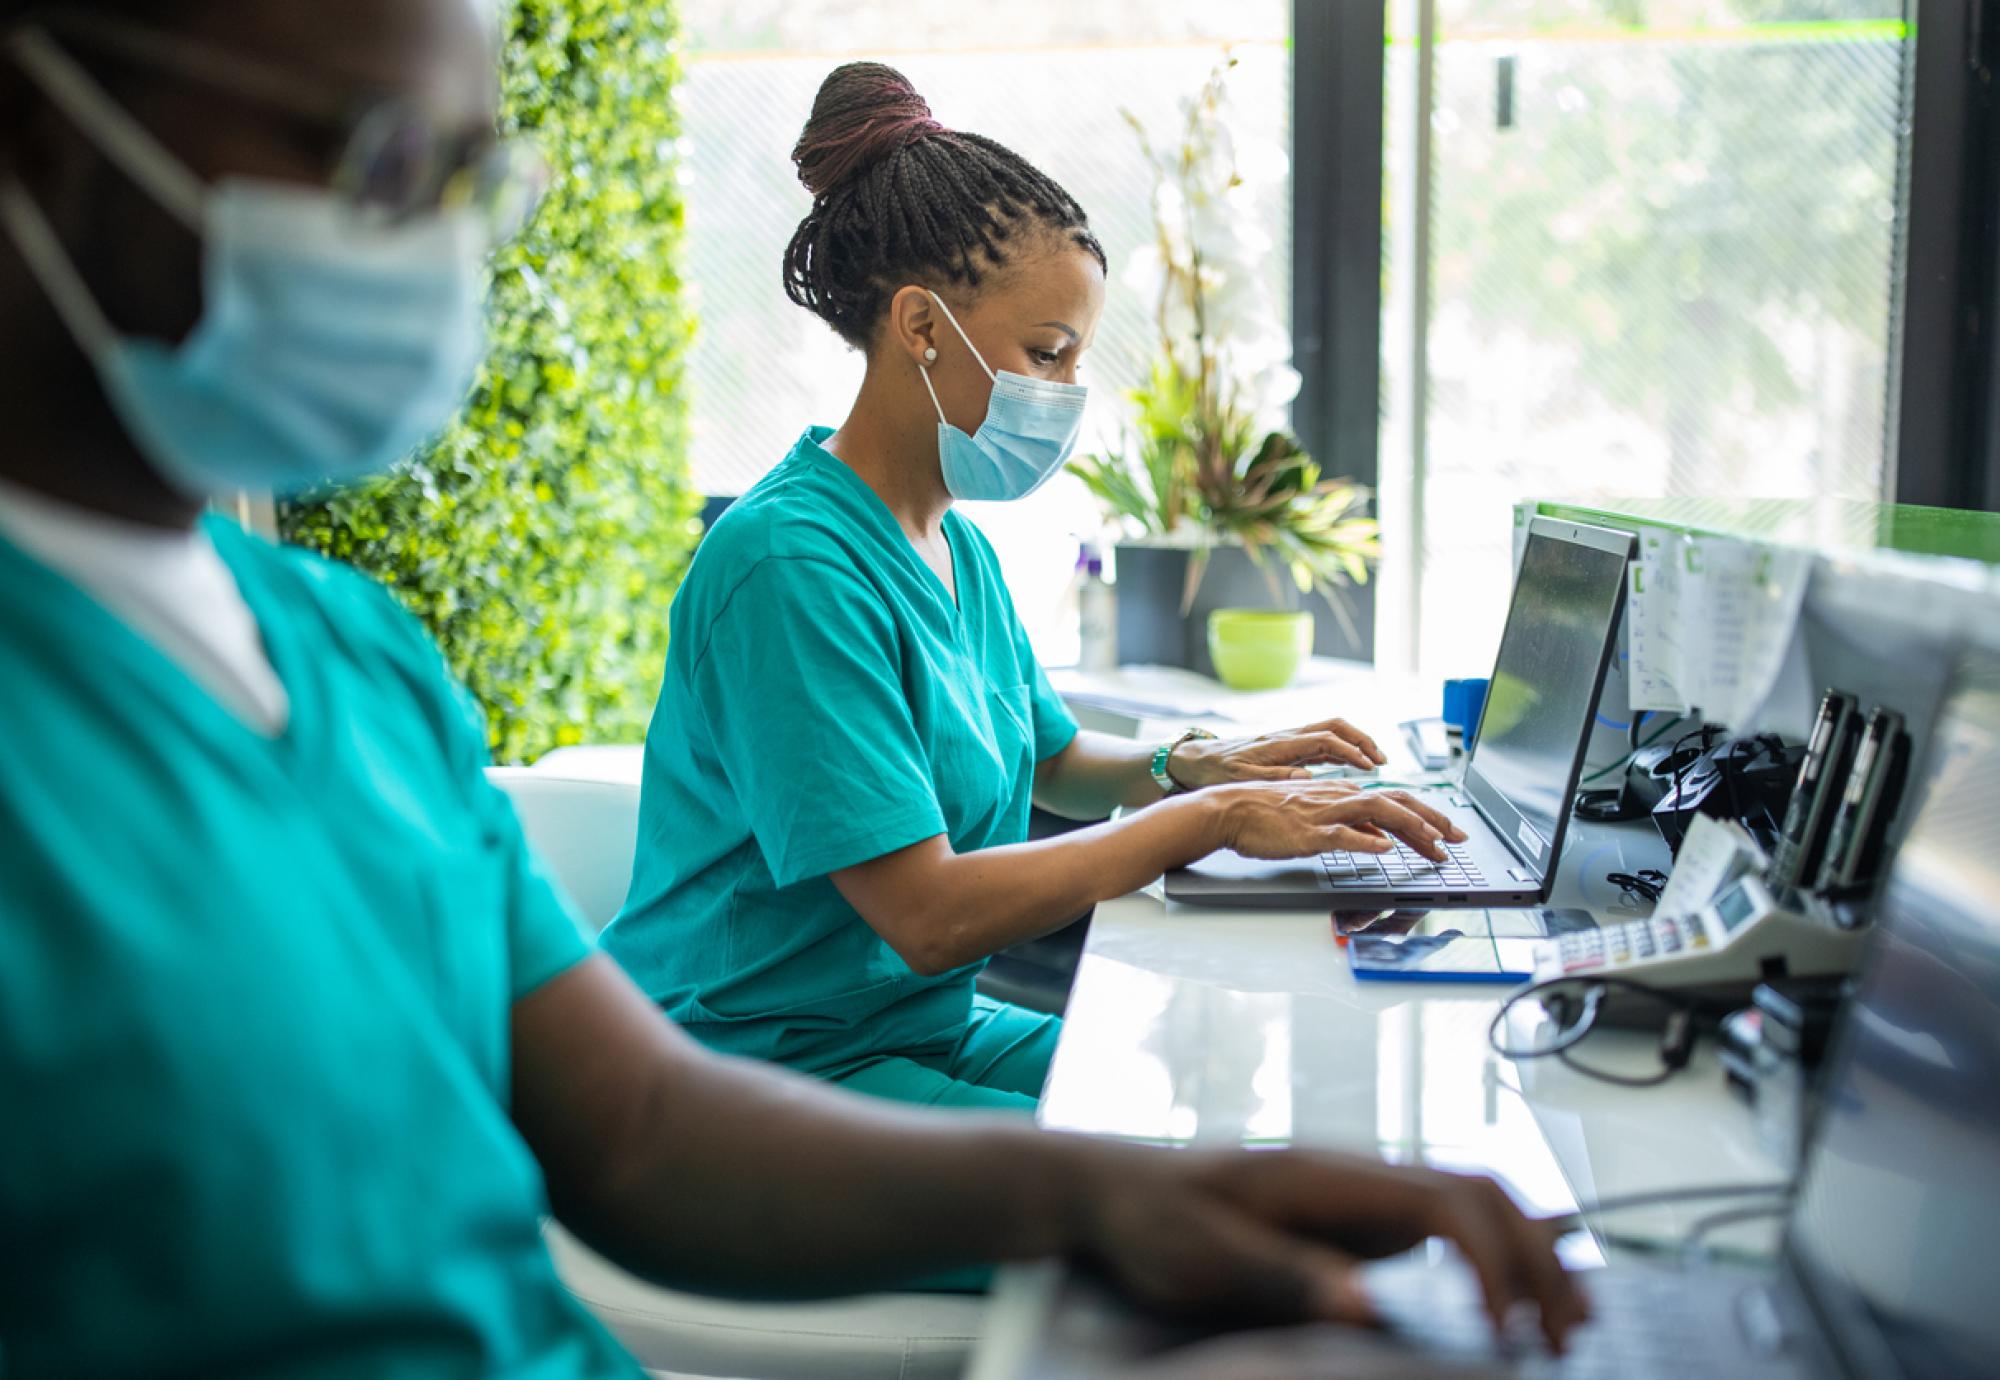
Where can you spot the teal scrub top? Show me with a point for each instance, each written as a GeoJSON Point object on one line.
{"type": "Point", "coordinates": [825, 703]}
{"type": "Point", "coordinates": [254, 1000]}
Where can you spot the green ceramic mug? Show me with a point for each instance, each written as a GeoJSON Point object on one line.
{"type": "Point", "coordinates": [1259, 649]}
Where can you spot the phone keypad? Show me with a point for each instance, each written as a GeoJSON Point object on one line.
{"type": "Point", "coordinates": [1632, 942]}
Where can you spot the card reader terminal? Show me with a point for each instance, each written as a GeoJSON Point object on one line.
{"type": "Point", "coordinates": [1742, 938]}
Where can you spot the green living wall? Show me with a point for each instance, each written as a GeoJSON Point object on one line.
{"type": "Point", "coordinates": [542, 536]}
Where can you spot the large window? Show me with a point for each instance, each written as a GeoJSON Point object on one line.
{"type": "Point", "coordinates": [1642, 247]}
{"type": "Point", "coordinates": [1053, 80]}
{"type": "Point", "coordinates": [1648, 247]}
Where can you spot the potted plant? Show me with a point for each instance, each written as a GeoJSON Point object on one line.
{"type": "Point", "coordinates": [1221, 506]}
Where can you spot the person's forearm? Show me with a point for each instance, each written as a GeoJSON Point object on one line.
{"type": "Point", "coordinates": [745, 1181]}
{"type": "Point", "coordinates": [972, 905]}
{"type": "Point", "coordinates": [1096, 774]}
{"type": "Point", "coordinates": [726, 1176]}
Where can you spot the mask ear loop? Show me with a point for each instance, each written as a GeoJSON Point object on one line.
{"type": "Point", "coordinates": [963, 336]}
{"type": "Point", "coordinates": [924, 372]}
{"type": "Point", "coordinates": [51, 266]}
{"type": "Point", "coordinates": [123, 139]}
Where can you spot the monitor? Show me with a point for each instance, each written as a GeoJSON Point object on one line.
{"type": "Point", "coordinates": [1895, 1236]}
{"type": "Point", "coordinates": [1543, 695]}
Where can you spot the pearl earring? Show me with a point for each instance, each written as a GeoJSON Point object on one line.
{"type": "Point", "coordinates": [930, 354]}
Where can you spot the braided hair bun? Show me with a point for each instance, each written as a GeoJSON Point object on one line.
{"type": "Point", "coordinates": [864, 112]}
{"type": "Point", "coordinates": [898, 198]}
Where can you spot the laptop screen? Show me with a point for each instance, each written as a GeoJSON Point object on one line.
{"type": "Point", "coordinates": [1543, 694]}
{"type": "Point", "coordinates": [1896, 1232]}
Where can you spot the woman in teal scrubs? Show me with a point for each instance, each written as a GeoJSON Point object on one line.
{"type": "Point", "coordinates": [853, 727]}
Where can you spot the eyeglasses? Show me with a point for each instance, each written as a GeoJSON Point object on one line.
{"type": "Point", "coordinates": [395, 160]}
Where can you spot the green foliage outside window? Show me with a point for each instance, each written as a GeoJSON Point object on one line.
{"type": "Point", "coordinates": [542, 536]}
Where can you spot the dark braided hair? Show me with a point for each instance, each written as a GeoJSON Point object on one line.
{"type": "Point", "coordinates": [898, 198]}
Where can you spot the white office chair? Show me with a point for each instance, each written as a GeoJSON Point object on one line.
{"type": "Point", "coordinates": [586, 831]}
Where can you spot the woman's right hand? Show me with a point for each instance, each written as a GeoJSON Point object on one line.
{"type": "Point", "coordinates": [1299, 819]}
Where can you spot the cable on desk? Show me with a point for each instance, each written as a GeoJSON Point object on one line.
{"type": "Point", "coordinates": [1729, 1217]}
{"type": "Point", "coordinates": [1669, 1065]}
{"type": "Point", "coordinates": [1690, 1193]}
{"type": "Point", "coordinates": [1648, 884]}
{"type": "Point", "coordinates": [1576, 1017]}
{"type": "Point", "coordinates": [1637, 746]}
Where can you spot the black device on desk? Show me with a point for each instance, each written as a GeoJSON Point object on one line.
{"type": "Point", "coordinates": [1855, 840]}
{"type": "Point", "coordinates": [1809, 815]}
{"type": "Point", "coordinates": [1749, 780]}
{"type": "Point", "coordinates": [1521, 776]}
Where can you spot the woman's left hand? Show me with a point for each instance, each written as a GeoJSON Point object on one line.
{"type": "Point", "coordinates": [1273, 757]}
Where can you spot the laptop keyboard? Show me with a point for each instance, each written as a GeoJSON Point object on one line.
{"type": "Point", "coordinates": [1647, 1324]}
{"type": "Point", "coordinates": [1405, 866]}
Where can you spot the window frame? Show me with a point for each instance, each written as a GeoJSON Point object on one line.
{"type": "Point", "coordinates": [1338, 76]}
{"type": "Point", "coordinates": [1946, 430]}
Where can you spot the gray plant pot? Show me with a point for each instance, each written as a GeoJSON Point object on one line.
{"type": "Point", "coordinates": [1152, 629]}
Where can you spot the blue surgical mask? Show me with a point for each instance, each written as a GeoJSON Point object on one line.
{"type": "Point", "coordinates": [1030, 429]}
{"type": "Point", "coordinates": [329, 344]}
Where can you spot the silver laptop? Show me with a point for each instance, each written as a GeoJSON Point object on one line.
{"type": "Point", "coordinates": [1891, 1244]}
{"type": "Point", "coordinates": [1515, 798]}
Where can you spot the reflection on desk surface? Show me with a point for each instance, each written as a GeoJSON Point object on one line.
{"type": "Point", "coordinates": [1199, 1063]}
{"type": "Point", "coordinates": [1192, 1026]}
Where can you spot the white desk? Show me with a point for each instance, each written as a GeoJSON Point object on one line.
{"type": "Point", "coordinates": [1204, 1026]}
{"type": "Point", "coordinates": [1207, 1026]}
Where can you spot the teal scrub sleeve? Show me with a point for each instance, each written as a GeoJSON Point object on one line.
{"type": "Point", "coordinates": [545, 937]}
{"type": "Point", "coordinates": [1055, 726]}
{"type": "Point", "coordinates": [800, 686]}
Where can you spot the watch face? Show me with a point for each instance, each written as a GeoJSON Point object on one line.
{"type": "Point", "coordinates": [1164, 752]}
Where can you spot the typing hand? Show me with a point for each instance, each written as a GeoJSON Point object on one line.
{"type": "Point", "coordinates": [1276, 1237]}
{"type": "Point", "coordinates": [1299, 819]}
{"type": "Point", "coordinates": [1273, 757]}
